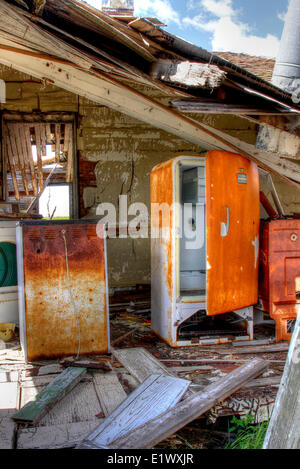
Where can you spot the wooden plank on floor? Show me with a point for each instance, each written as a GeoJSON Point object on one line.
{"type": "Point", "coordinates": [9, 398]}
{"type": "Point", "coordinates": [166, 424]}
{"type": "Point", "coordinates": [34, 411]}
{"type": "Point", "coordinates": [109, 391]}
{"type": "Point", "coordinates": [284, 429]}
{"type": "Point", "coordinates": [157, 394]}
{"type": "Point", "coordinates": [140, 363]}
{"type": "Point", "coordinates": [79, 405]}
{"type": "Point", "coordinates": [273, 348]}
{"type": "Point", "coordinates": [7, 433]}
{"type": "Point", "coordinates": [55, 436]}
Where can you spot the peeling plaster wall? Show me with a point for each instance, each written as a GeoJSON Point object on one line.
{"type": "Point", "coordinates": [115, 156]}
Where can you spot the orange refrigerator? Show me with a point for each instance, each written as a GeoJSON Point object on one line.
{"type": "Point", "coordinates": [204, 248]}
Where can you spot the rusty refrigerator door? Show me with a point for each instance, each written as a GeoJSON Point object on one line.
{"type": "Point", "coordinates": [63, 294]}
{"type": "Point", "coordinates": [232, 194]}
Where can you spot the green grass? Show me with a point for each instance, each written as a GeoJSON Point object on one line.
{"type": "Point", "coordinates": [247, 435]}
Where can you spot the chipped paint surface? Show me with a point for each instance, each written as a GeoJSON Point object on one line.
{"type": "Point", "coordinates": [280, 272]}
{"type": "Point", "coordinates": [51, 317]}
{"type": "Point", "coordinates": [111, 143]}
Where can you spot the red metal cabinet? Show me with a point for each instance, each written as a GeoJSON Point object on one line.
{"type": "Point", "coordinates": [279, 278]}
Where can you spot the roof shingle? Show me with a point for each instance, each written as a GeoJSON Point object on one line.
{"type": "Point", "coordinates": [259, 66]}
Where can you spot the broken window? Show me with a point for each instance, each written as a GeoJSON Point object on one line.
{"type": "Point", "coordinates": [37, 155]}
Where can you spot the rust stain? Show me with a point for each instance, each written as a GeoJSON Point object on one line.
{"type": "Point", "coordinates": [51, 324]}
{"type": "Point", "coordinates": [232, 279]}
{"type": "Point", "coordinates": [280, 273]}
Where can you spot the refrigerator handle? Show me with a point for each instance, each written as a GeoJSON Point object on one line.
{"type": "Point", "coordinates": [225, 226]}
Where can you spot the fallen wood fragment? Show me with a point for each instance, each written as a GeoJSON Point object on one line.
{"type": "Point", "coordinates": [140, 363]}
{"type": "Point", "coordinates": [252, 343]}
{"type": "Point", "coordinates": [96, 365]}
{"type": "Point", "coordinates": [119, 339]}
{"type": "Point", "coordinates": [150, 399]}
{"type": "Point", "coordinates": [273, 348]}
{"type": "Point", "coordinates": [35, 410]}
{"type": "Point", "coordinates": [109, 392]}
{"type": "Point", "coordinates": [216, 361]}
{"type": "Point", "coordinates": [169, 422]}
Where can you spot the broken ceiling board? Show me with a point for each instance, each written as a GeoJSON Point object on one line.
{"type": "Point", "coordinates": [25, 132]}
{"type": "Point", "coordinates": [55, 436]}
{"type": "Point", "coordinates": [169, 422]}
{"type": "Point", "coordinates": [284, 429]}
{"type": "Point", "coordinates": [82, 17]}
{"type": "Point", "coordinates": [7, 433]}
{"type": "Point", "coordinates": [209, 106]}
{"type": "Point", "coordinates": [9, 398]}
{"type": "Point", "coordinates": [189, 74]}
{"type": "Point", "coordinates": [35, 410]}
{"type": "Point", "coordinates": [140, 363]}
{"type": "Point", "coordinates": [29, 36]}
{"type": "Point", "coordinates": [271, 162]}
{"type": "Point", "coordinates": [157, 394]}
{"type": "Point", "coordinates": [109, 391]}
{"type": "Point", "coordinates": [278, 141]}
{"type": "Point", "coordinates": [109, 92]}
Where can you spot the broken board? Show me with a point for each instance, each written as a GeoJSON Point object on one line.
{"type": "Point", "coordinates": [140, 363]}
{"type": "Point", "coordinates": [156, 395]}
{"type": "Point", "coordinates": [34, 410]}
{"type": "Point", "coordinates": [170, 421]}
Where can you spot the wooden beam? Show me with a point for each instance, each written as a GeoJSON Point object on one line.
{"type": "Point", "coordinates": [103, 89]}
{"type": "Point", "coordinates": [284, 429]}
{"type": "Point", "coordinates": [286, 123]}
{"type": "Point", "coordinates": [168, 423]}
{"type": "Point", "coordinates": [210, 106]}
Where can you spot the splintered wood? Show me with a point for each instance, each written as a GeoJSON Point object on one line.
{"type": "Point", "coordinates": [27, 171]}
{"type": "Point", "coordinates": [156, 395]}
{"type": "Point", "coordinates": [169, 422]}
{"type": "Point", "coordinates": [140, 363]}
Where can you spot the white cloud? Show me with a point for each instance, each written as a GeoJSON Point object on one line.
{"type": "Point", "coordinates": [162, 9]}
{"type": "Point", "coordinates": [220, 19]}
{"type": "Point", "coordinates": [283, 14]}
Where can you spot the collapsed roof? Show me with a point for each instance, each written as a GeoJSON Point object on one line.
{"type": "Point", "coordinates": [119, 61]}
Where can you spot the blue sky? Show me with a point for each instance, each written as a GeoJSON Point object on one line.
{"type": "Point", "coordinates": [249, 26]}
